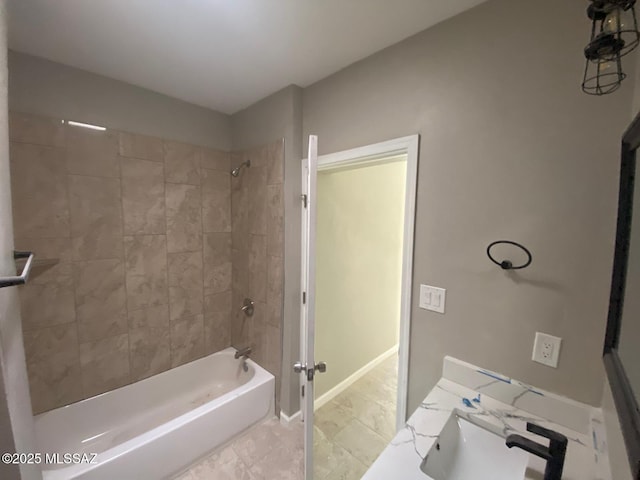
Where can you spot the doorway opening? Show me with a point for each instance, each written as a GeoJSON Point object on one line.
{"type": "Point", "coordinates": [365, 203]}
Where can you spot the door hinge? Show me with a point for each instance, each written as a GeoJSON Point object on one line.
{"type": "Point", "coordinates": [304, 199]}
{"type": "Point", "coordinates": [304, 298]}
{"type": "Point", "coordinates": [302, 388]}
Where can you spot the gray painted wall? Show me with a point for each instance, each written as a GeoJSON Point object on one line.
{"type": "Point", "coordinates": [47, 88]}
{"type": "Point", "coordinates": [16, 422]}
{"type": "Point", "coordinates": [510, 148]}
{"type": "Point", "coordinates": [278, 116]}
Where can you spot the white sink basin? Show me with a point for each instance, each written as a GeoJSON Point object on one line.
{"type": "Point", "coordinates": [466, 451]}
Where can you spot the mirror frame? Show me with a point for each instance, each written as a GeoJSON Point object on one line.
{"type": "Point", "coordinates": [623, 395]}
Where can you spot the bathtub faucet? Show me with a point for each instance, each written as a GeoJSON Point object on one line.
{"type": "Point", "coordinates": [243, 352]}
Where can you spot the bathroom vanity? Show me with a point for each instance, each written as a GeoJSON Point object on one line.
{"type": "Point", "coordinates": [460, 430]}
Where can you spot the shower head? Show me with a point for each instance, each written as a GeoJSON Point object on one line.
{"type": "Point", "coordinates": [236, 171]}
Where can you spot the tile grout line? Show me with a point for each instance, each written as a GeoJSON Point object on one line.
{"type": "Point", "coordinates": [166, 250]}
{"type": "Point", "coordinates": [124, 259]}
{"type": "Point", "coordinates": [73, 269]}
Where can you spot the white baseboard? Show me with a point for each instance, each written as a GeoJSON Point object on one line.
{"type": "Point", "coordinates": [286, 420]}
{"type": "Point", "coordinates": [354, 377]}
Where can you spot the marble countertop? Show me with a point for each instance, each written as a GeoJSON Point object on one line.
{"type": "Point", "coordinates": [581, 424]}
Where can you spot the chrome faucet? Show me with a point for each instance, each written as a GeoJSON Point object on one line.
{"type": "Point", "coordinates": [247, 307]}
{"type": "Point", "coordinates": [554, 454]}
{"type": "Point", "coordinates": [243, 352]}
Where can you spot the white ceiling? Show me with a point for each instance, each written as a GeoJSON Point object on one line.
{"type": "Point", "coordinates": [221, 54]}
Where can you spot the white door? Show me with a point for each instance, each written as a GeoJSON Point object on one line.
{"type": "Point", "coordinates": [307, 366]}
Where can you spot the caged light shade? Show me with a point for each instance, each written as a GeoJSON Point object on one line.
{"type": "Point", "coordinates": [614, 33]}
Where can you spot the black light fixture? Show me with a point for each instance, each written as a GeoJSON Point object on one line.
{"type": "Point", "coordinates": [614, 33]}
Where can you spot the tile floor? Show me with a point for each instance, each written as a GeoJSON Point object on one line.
{"type": "Point", "coordinates": [349, 433]}
{"type": "Point", "coordinates": [268, 451]}
{"type": "Point", "coordinates": [352, 429]}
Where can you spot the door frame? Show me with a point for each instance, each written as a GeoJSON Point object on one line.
{"type": "Point", "coordinates": [370, 155]}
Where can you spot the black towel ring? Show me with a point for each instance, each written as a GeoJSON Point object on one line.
{"type": "Point", "coordinates": [506, 264]}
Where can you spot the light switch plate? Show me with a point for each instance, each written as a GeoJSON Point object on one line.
{"type": "Point", "coordinates": [432, 298]}
{"type": "Point", "coordinates": [546, 349]}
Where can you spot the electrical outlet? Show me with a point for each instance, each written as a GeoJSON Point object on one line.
{"type": "Point", "coordinates": [546, 349]}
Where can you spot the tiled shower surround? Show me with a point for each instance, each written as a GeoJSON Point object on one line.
{"type": "Point", "coordinates": [257, 215]}
{"type": "Point", "coordinates": [142, 230]}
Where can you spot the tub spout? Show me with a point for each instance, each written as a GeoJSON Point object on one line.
{"type": "Point", "coordinates": [243, 352]}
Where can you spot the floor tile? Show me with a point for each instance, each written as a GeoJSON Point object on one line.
{"type": "Point", "coordinates": [281, 463]}
{"type": "Point", "coordinates": [223, 465]}
{"type": "Point", "coordinates": [327, 456]}
{"type": "Point", "coordinates": [351, 469]}
{"type": "Point", "coordinates": [361, 442]}
{"type": "Point", "coordinates": [266, 451]}
{"type": "Point", "coordinates": [256, 443]}
{"type": "Point", "coordinates": [332, 417]}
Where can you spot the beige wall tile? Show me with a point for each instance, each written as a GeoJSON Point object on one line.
{"type": "Point", "coordinates": [150, 351]}
{"type": "Point", "coordinates": [184, 218]}
{"type": "Point", "coordinates": [240, 269]}
{"type": "Point", "coordinates": [257, 263]}
{"type": "Point", "coordinates": [46, 248]}
{"type": "Point", "coordinates": [240, 240]}
{"type": "Point", "coordinates": [217, 262]}
{"type": "Point", "coordinates": [218, 303]}
{"type": "Point", "coordinates": [275, 163]}
{"type": "Point", "coordinates": [181, 163]}
{"type": "Point", "coordinates": [216, 201]}
{"type": "Point", "coordinates": [39, 191]}
{"type": "Point", "coordinates": [217, 335]}
{"type": "Point", "coordinates": [185, 284]}
{"type": "Point", "coordinates": [141, 146]}
{"type": "Point", "coordinates": [100, 299]}
{"type": "Point", "coordinates": [217, 321]}
{"type": "Point", "coordinates": [275, 221]}
{"type": "Point", "coordinates": [218, 278]}
{"type": "Point", "coordinates": [55, 381]}
{"type": "Point", "coordinates": [34, 129]}
{"type": "Point", "coordinates": [215, 160]}
{"type": "Point", "coordinates": [146, 271]}
{"type": "Point", "coordinates": [240, 324]}
{"type": "Point", "coordinates": [92, 152]}
{"type": "Point", "coordinates": [150, 317]}
{"type": "Point", "coordinates": [54, 366]}
{"type": "Point", "coordinates": [105, 364]}
{"type": "Point", "coordinates": [96, 217]}
{"type": "Point", "coordinates": [257, 333]}
{"type": "Point", "coordinates": [275, 288]}
{"type": "Point", "coordinates": [273, 348]}
{"type": "Point", "coordinates": [42, 343]}
{"type": "Point", "coordinates": [150, 341]}
{"type": "Point", "coordinates": [48, 299]}
{"type": "Point", "coordinates": [142, 196]}
{"type": "Point", "coordinates": [257, 250]}
{"type": "Point", "coordinates": [240, 205]}
{"type": "Point", "coordinates": [257, 203]}
{"type": "Point", "coordinates": [257, 155]}
{"type": "Point", "coordinates": [187, 340]}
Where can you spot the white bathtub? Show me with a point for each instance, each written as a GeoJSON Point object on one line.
{"type": "Point", "coordinates": [155, 428]}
